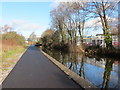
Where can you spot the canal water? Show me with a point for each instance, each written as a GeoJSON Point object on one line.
{"type": "Point", "coordinates": [101, 72]}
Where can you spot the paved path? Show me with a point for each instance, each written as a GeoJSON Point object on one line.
{"type": "Point", "coordinates": [34, 70]}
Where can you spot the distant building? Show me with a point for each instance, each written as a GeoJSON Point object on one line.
{"type": "Point", "coordinates": [98, 40]}
{"type": "Point", "coordinates": [114, 40]}
{"type": "Point", "coordinates": [93, 40]}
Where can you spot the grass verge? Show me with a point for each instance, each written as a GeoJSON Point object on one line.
{"type": "Point", "coordinates": [8, 60]}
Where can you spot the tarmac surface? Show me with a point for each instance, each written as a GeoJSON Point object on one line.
{"type": "Point", "coordinates": [34, 70]}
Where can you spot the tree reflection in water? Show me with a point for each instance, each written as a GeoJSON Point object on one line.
{"type": "Point", "coordinates": [81, 72]}
{"type": "Point", "coordinates": [107, 73]}
{"type": "Point", "coordinates": [88, 68]}
{"type": "Point", "coordinates": [72, 58]}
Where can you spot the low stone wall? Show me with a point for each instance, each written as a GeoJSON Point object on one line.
{"type": "Point", "coordinates": [79, 80]}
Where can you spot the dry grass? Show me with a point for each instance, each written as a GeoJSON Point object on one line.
{"type": "Point", "coordinates": [8, 45]}
{"type": "Point", "coordinates": [9, 53]}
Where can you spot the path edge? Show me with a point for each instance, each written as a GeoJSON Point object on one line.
{"type": "Point", "coordinates": [18, 59]}
{"type": "Point", "coordinates": [79, 80]}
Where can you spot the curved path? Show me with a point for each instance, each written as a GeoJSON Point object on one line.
{"type": "Point", "coordinates": [34, 70]}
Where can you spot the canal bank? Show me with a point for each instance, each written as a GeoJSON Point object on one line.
{"type": "Point", "coordinates": [101, 72]}
{"type": "Point", "coordinates": [83, 83]}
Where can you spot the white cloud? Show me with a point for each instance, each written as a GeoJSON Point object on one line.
{"type": "Point", "coordinates": [54, 4]}
{"type": "Point", "coordinates": [113, 20]}
{"type": "Point", "coordinates": [93, 23]}
{"type": "Point", "coordinates": [18, 22]}
{"type": "Point", "coordinates": [30, 27]}
{"type": "Point", "coordinates": [97, 22]}
{"type": "Point", "coordinates": [23, 27]}
{"type": "Point", "coordinates": [94, 26]}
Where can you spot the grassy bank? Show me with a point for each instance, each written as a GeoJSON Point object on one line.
{"type": "Point", "coordinates": [10, 57]}
{"type": "Point", "coordinates": [11, 53]}
{"type": "Point", "coordinates": [8, 60]}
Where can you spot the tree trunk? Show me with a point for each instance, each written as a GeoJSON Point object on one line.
{"type": "Point", "coordinates": [119, 26]}
{"type": "Point", "coordinates": [106, 31]}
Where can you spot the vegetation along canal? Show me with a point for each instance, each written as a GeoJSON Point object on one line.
{"type": "Point", "coordinates": [101, 72]}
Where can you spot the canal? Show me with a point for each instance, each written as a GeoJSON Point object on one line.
{"type": "Point", "coordinates": [101, 72]}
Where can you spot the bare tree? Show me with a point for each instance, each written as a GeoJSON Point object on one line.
{"type": "Point", "coordinates": [58, 21]}
{"type": "Point", "coordinates": [6, 28]}
{"type": "Point", "coordinates": [103, 9]}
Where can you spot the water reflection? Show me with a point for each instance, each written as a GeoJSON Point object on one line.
{"type": "Point", "coordinates": [102, 72]}
{"type": "Point", "coordinates": [108, 69]}
{"type": "Point", "coordinates": [81, 71]}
